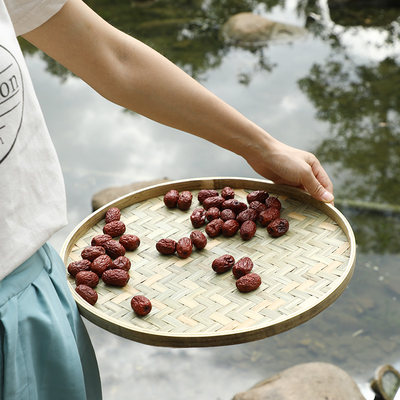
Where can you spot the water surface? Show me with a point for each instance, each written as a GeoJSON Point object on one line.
{"type": "Point", "coordinates": [333, 92]}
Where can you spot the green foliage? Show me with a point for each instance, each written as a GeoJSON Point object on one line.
{"type": "Point", "coordinates": [362, 105]}
{"type": "Point", "coordinates": [185, 31]}
{"type": "Point", "coordinates": [360, 102]}
{"type": "Point", "coordinates": [365, 13]}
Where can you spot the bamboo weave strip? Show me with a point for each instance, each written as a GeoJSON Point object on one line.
{"type": "Point", "coordinates": [297, 270]}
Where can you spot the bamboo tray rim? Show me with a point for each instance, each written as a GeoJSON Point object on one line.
{"type": "Point", "coordinates": [207, 339]}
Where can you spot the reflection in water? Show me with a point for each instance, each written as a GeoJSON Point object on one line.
{"type": "Point", "coordinates": [348, 107]}
{"type": "Point", "coordinates": [362, 105]}
{"type": "Point", "coordinates": [364, 12]}
{"type": "Point", "coordinates": [185, 31]}
{"type": "Point", "coordinates": [358, 96]}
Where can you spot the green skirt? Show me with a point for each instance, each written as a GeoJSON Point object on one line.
{"type": "Point", "coordinates": [45, 351]}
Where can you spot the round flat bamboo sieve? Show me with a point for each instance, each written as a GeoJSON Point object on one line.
{"type": "Point", "coordinates": [302, 272]}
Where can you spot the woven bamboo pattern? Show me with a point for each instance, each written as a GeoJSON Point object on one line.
{"type": "Point", "coordinates": [302, 272]}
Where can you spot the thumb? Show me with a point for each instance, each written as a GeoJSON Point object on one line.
{"type": "Point", "coordinates": [314, 187]}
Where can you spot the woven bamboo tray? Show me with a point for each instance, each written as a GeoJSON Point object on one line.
{"type": "Point", "coordinates": [302, 272]}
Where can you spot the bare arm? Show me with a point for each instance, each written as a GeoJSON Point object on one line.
{"type": "Point", "coordinates": [131, 74]}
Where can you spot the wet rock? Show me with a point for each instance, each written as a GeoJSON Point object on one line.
{"type": "Point", "coordinates": [248, 29]}
{"type": "Point", "coordinates": [316, 381]}
{"type": "Point", "coordinates": [103, 197]}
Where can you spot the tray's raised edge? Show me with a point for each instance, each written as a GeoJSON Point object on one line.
{"type": "Point", "coordinates": [216, 338]}
{"type": "Point", "coordinates": [182, 340]}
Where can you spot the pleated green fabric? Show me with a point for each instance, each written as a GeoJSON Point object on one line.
{"type": "Point", "coordinates": [45, 350]}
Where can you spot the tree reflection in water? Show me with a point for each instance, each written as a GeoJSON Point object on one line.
{"type": "Point", "coordinates": [362, 105]}
{"type": "Point", "coordinates": [357, 98]}
{"type": "Point", "coordinates": [360, 102]}
{"type": "Point", "coordinates": [185, 31]}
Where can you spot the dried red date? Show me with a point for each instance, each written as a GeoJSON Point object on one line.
{"type": "Point", "coordinates": [121, 262]}
{"type": "Point", "coordinates": [230, 227]}
{"type": "Point", "coordinates": [215, 201]}
{"type": "Point", "coordinates": [100, 264]}
{"type": "Point", "coordinates": [278, 227]}
{"type": "Point", "coordinates": [248, 282]}
{"type": "Point", "coordinates": [227, 193]}
{"type": "Point", "coordinates": [184, 247]}
{"type": "Point", "coordinates": [198, 217]}
{"type": "Point", "coordinates": [99, 240]}
{"type": "Point", "coordinates": [227, 214]}
{"type": "Point", "coordinates": [129, 241]}
{"type": "Point", "coordinates": [141, 305]}
{"type": "Point", "coordinates": [114, 228]}
{"type": "Point", "coordinates": [273, 202]}
{"type": "Point", "coordinates": [115, 277]}
{"type": "Point", "coordinates": [223, 263]}
{"type": "Point", "coordinates": [248, 230]}
{"type": "Point", "coordinates": [114, 249]}
{"type": "Point", "coordinates": [267, 216]}
{"type": "Point", "coordinates": [184, 200]}
{"type": "Point", "coordinates": [214, 228]}
{"type": "Point", "coordinates": [235, 205]}
{"type": "Point", "coordinates": [87, 293]}
{"type": "Point", "coordinates": [257, 195]}
{"type": "Point", "coordinates": [258, 206]}
{"type": "Point", "coordinates": [242, 267]}
{"type": "Point", "coordinates": [113, 214]}
{"type": "Point", "coordinates": [204, 193]}
{"type": "Point", "coordinates": [171, 198]}
{"type": "Point", "coordinates": [92, 252]}
{"type": "Point", "coordinates": [166, 246]}
{"type": "Point", "coordinates": [198, 239]}
{"type": "Point", "coordinates": [212, 213]}
{"type": "Point", "coordinates": [88, 278]}
{"type": "Point", "coordinates": [77, 266]}
{"type": "Point", "coordinates": [247, 215]}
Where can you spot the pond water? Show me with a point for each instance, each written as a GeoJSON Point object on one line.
{"type": "Point", "coordinates": [333, 91]}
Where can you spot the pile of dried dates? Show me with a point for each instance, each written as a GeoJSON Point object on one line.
{"type": "Point", "coordinates": [247, 281]}
{"type": "Point", "coordinates": [218, 213]}
{"type": "Point", "coordinates": [105, 259]}
{"type": "Point", "coordinates": [222, 214]}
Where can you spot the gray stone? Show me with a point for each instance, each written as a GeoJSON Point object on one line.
{"type": "Point", "coordinates": [104, 196]}
{"type": "Point", "coordinates": [248, 29]}
{"type": "Point", "coordinates": [316, 381]}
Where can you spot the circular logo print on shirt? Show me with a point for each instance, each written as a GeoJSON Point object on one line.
{"type": "Point", "coordinates": [11, 101]}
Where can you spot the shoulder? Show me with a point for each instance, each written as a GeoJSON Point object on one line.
{"type": "Point", "coordinates": [27, 15]}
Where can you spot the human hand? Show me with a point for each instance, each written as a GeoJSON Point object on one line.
{"type": "Point", "coordinates": [290, 166]}
{"type": "Point", "coordinates": [146, 82]}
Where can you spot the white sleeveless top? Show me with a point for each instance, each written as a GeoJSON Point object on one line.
{"type": "Point", "coordinates": [32, 193]}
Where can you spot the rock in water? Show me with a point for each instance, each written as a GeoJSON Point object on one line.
{"type": "Point", "coordinates": [316, 381]}
{"type": "Point", "coordinates": [103, 197]}
{"type": "Point", "coordinates": [248, 29]}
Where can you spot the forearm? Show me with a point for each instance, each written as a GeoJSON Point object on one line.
{"type": "Point", "coordinates": [134, 76]}
{"type": "Point", "coordinates": [131, 74]}
{"type": "Point", "coordinates": [151, 85]}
